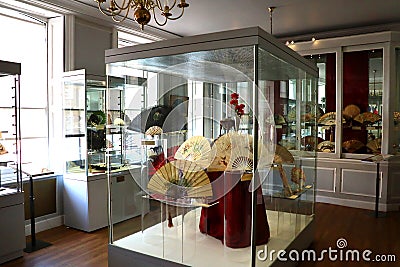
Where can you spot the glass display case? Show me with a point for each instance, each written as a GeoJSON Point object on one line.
{"type": "Point", "coordinates": [84, 121]}
{"type": "Point", "coordinates": [12, 223]}
{"type": "Point", "coordinates": [358, 91]}
{"type": "Point", "coordinates": [87, 150]}
{"type": "Point", "coordinates": [208, 131]}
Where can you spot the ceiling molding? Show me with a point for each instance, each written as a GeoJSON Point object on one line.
{"type": "Point", "coordinates": [90, 13]}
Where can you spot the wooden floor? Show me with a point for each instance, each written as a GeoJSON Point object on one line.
{"type": "Point", "coordinates": [361, 230]}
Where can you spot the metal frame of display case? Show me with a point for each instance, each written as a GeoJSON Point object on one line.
{"type": "Point", "coordinates": [251, 37]}
{"type": "Point", "coordinates": [347, 178]}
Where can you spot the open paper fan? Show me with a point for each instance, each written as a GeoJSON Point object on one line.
{"type": "Point", "coordinates": [326, 146]}
{"type": "Point", "coordinates": [368, 118]}
{"type": "Point", "coordinates": [279, 119]}
{"type": "Point", "coordinates": [230, 147]}
{"type": "Point", "coordinates": [396, 117]}
{"type": "Point", "coordinates": [181, 179]}
{"type": "Point", "coordinates": [298, 176]}
{"type": "Point", "coordinates": [3, 150]}
{"type": "Point", "coordinates": [351, 111]}
{"type": "Point", "coordinates": [310, 142]}
{"type": "Point", "coordinates": [154, 130]}
{"type": "Point", "coordinates": [282, 155]}
{"type": "Point", "coordinates": [352, 146]}
{"type": "Point", "coordinates": [375, 145]}
{"type": "Point", "coordinates": [196, 149]}
{"type": "Point", "coordinates": [328, 119]}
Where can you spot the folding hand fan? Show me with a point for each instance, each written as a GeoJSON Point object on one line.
{"type": "Point", "coordinates": [181, 179]}
{"type": "Point", "coordinates": [352, 146]}
{"type": "Point", "coordinates": [367, 118]}
{"type": "Point", "coordinates": [3, 150]}
{"type": "Point", "coordinates": [375, 145]}
{"type": "Point", "coordinates": [282, 155]}
{"type": "Point", "coordinates": [154, 130]}
{"type": "Point", "coordinates": [328, 119]}
{"type": "Point", "coordinates": [351, 111]}
{"type": "Point", "coordinates": [198, 150]}
{"type": "Point", "coordinates": [233, 152]}
{"type": "Point", "coordinates": [298, 176]}
{"type": "Point", "coordinates": [326, 146]}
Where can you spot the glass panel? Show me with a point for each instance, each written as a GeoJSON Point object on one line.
{"type": "Point", "coordinates": [10, 179]}
{"type": "Point", "coordinates": [84, 122]}
{"type": "Point", "coordinates": [193, 118]}
{"type": "Point", "coordinates": [396, 108]}
{"type": "Point", "coordinates": [288, 189]}
{"type": "Point", "coordinates": [362, 101]}
{"type": "Point", "coordinates": [326, 108]}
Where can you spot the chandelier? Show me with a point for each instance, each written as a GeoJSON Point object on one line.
{"type": "Point", "coordinates": [141, 10]}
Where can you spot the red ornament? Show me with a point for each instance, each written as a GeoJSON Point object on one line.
{"type": "Point", "coordinates": [233, 102]}
{"type": "Point", "coordinates": [234, 95]}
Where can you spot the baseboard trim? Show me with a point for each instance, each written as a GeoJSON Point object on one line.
{"type": "Point", "coordinates": [357, 203]}
{"type": "Point", "coordinates": [45, 224]}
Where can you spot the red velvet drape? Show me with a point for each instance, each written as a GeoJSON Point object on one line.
{"type": "Point", "coordinates": [234, 209]}
{"type": "Point", "coordinates": [355, 88]}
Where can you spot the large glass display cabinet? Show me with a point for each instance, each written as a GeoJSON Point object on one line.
{"type": "Point", "coordinates": [358, 133]}
{"type": "Point", "coordinates": [12, 222]}
{"type": "Point", "coordinates": [86, 149]}
{"type": "Point", "coordinates": [205, 127]}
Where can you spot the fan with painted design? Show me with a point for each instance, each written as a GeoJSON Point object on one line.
{"type": "Point", "coordinates": [196, 149]}
{"type": "Point", "coordinates": [233, 152]}
{"type": "Point", "coordinates": [282, 155]}
{"type": "Point", "coordinates": [180, 179]}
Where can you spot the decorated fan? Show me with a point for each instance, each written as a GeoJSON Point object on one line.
{"type": "Point", "coordinates": [375, 145]}
{"type": "Point", "coordinates": [326, 146]}
{"type": "Point", "coordinates": [352, 146]}
{"type": "Point", "coordinates": [396, 117]}
{"type": "Point", "coordinates": [154, 130]}
{"type": "Point", "coordinates": [279, 119]}
{"type": "Point", "coordinates": [3, 150]}
{"type": "Point", "coordinates": [328, 119]}
{"type": "Point", "coordinates": [196, 149]}
{"type": "Point", "coordinates": [181, 179]}
{"type": "Point", "coordinates": [351, 111]}
{"type": "Point", "coordinates": [298, 176]}
{"type": "Point", "coordinates": [367, 118]}
{"type": "Point", "coordinates": [282, 155]}
{"type": "Point", "coordinates": [310, 142]}
{"type": "Point", "coordinates": [232, 147]}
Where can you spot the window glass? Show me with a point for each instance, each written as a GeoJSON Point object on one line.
{"type": "Point", "coordinates": [25, 42]}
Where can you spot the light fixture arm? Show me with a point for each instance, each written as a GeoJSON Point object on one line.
{"type": "Point", "coordinates": [142, 9]}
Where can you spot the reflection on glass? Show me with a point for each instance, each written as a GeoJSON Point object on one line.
{"type": "Point", "coordinates": [362, 101]}
{"type": "Point", "coordinates": [396, 108]}
{"type": "Point", "coordinates": [326, 107]}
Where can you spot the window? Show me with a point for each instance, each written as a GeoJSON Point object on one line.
{"type": "Point", "coordinates": [24, 41]}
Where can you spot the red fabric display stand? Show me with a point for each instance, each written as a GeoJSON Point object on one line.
{"type": "Point", "coordinates": [235, 210]}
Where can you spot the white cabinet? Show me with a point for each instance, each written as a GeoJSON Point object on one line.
{"type": "Point", "coordinates": [85, 201]}
{"type": "Point", "coordinates": [12, 227]}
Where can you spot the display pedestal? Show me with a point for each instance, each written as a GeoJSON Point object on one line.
{"type": "Point", "coordinates": [138, 250]}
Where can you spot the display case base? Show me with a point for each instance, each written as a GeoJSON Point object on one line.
{"type": "Point", "coordinates": [138, 249]}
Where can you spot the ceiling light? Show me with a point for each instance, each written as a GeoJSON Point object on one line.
{"type": "Point", "coordinates": [141, 10]}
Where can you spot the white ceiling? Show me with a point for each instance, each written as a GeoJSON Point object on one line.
{"type": "Point", "coordinates": [290, 18]}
